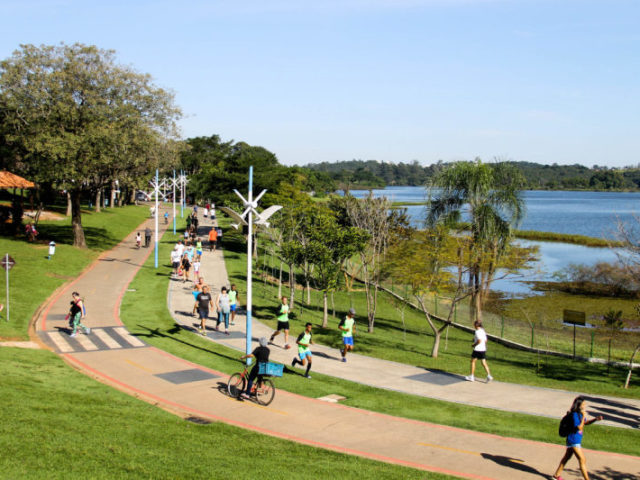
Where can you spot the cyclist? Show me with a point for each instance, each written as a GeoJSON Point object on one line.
{"type": "Point", "coordinates": [304, 340]}
{"type": "Point", "coordinates": [261, 355]}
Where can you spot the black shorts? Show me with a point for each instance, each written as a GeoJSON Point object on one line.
{"type": "Point", "coordinates": [283, 326]}
{"type": "Point", "coordinates": [203, 314]}
{"type": "Point", "coordinates": [175, 264]}
{"type": "Point", "coordinates": [479, 355]}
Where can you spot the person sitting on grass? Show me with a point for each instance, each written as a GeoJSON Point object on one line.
{"type": "Point", "coordinates": [261, 355]}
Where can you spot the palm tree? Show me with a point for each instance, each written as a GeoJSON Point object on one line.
{"type": "Point", "coordinates": [492, 193]}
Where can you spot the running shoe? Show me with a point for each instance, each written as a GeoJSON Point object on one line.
{"type": "Point", "coordinates": [489, 378]}
{"type": "Point", "coordinates": [470, 378]}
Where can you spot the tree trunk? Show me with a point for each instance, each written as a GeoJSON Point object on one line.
{"type": "Point", "coordinates": [76, 220]}
{"type": "Point", "coordinates": [280, 281]}
{"type": "Point", "coordinates": [325, 309]}
{"type": "Point", "coordinates": [436, 343]}
{"type": "Point", "coordinates": [292, 287]}
{"type": "Point", "coordinates": [69, 207]}
{"type": "Point", "coordinates": [333, 305]}
{"type": "Point", "coordinates": [626, 383]}
{"type": "Point", "coordinates": [98, 200]}
{"type": "Point", "coordinates": [132, 198]}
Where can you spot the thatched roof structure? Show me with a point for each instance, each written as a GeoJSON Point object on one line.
{"type": "Point", "coordinates": [10, 180]}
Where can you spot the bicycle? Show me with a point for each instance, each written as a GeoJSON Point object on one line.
{"type": "Point", "coordinates": [263, 388]}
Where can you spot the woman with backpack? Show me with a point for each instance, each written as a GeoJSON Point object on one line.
{"type": "Point", "coordinates": [576, 419]}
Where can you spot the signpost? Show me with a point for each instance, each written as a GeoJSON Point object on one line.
{"type": "Point", "coordinates": [8, 263]}
{"type": "Point", "coordinates": [574, 317]}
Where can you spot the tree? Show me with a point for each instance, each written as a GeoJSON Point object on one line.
{"type": "Point", "coordinates": [495, 205]}
{"type": "Point", "coordinates": [375, 217]}
{"type": "Point", "coordinates": [614, 324]}
{"type": "Point", "coordinates": [74, 118]}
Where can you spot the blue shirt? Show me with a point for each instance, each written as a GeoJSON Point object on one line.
{"type": "Point", "coordinates": [575, 438]}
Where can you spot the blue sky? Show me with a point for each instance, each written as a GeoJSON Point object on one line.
{"type": "Point", "coordinates": [326, 80]}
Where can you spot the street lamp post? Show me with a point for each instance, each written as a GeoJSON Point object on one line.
{"type": "Point", "coordinates": [247, 218]}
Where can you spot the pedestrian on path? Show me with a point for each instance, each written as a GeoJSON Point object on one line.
{"type": "Point", "coordinates": [219, 238]}
{"type": "Point", "coordinates": [175, 259]}
{"type": "Point", "coordinates": [205, 212]}
{"type": "Point", "coordinates": [199, 247]}
{"type": "Point", "coordinates": [574, 439]}
{"type": "Point", "coordinates": [138, 240]}
{"type": "Point", "coordinates": [76, 313]}
{"type": "Point", "coordinates": [213, 238]}
{"type": "Point", "coordinates": [197, 288]}
{"type": "Point", "coordinates": [203, 302]}
{"type": "Point", "coordinates": [261, 355]}
{"type": "Point", "coordinates": [233, 299]}
{"type": "Point", "coordinates": [223, 308]}
{"type": "Point", "coordinates": [147, 237]}
{"type": "Point", "coordinates": [348, 328]}
{"type": "Point", "coordinates": [196, 268]}
{"type": "Point", "coordinates": [479, 351]}
{"type": "Point", "coordinates": [303, 341]}
{"type": "Point", "coordinates": [283, 323]}
{"type": "Point", "coordinates": [186, 266]}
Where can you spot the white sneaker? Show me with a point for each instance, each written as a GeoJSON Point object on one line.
{"type": "Point", "coordinates": [72, 335]}
{"type": "Point", "coordinates": [87, 331]}
{"type": "Point", "coordinates": [489, 378]}
{"type": "Point", "coordinates": [470, 378]}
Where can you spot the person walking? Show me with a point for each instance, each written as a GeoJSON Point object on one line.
{"type": "Point", "coordinates": [574, 439]}
{"type": "Point", "coordinates": [261, 355]}
{"type": "Point", "coordinates": [147, 237]}
{"type": "Point", "coordinates": [303, 341]}
{"type": "Point", "coordinates": [479, 352]}
{"type": "Point", "coordinates": [348, 328]}
{"type": "Point", "coordinates": [223, 308]}
{"type": "Point", "coordinates": [175, 260]}
{"type": "Point", "coordinates": [233, 299]}
{"type": "Point", "coordinates": [138, 240]}
{"type": "Point", "coordinates": [166, 218]}
{"type": "Point", "coordinates": [76, 313]}
{"type": "Point", "coordinates": [283, 323]}
{"type": "Point", "coordinates": [213, 238]}
{"type": "Point", "coordinates": [196, 268]}
{"type": "Point", "coordinates": [219, 238]}
{"type": "Point", "coordinates": [203, 302]}
{"type": "Point", "coordinates": [186, 266]}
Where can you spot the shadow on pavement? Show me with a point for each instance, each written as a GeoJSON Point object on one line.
{"type": "Point", "coordinates": [611, 474]}
{"type": "Point", "coordinates": [513, 463]}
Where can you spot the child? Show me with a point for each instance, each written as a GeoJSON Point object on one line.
{"type": "Point", "coordinates": [196, 268]}
{"type": "Point", "coordinates": [138, 239]}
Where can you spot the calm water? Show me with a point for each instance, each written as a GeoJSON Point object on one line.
{"type": "Point", "coordinates": [585, 213]}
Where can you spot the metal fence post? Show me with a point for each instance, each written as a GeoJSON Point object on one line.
{"type": "Point", "coordinates": [532, 334]}
{"type": "Point", "coordinates": [502, 326]}
{"type": "Point", "coordinates": [436, 300]}
{"type": "Point", "coordinates": [593, 334]}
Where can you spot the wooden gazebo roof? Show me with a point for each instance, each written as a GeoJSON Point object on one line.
{"type": "Point", "coordinates": [11, 180]}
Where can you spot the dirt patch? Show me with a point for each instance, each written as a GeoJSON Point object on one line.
{"type": "Point", "coordinates": [29, 215]}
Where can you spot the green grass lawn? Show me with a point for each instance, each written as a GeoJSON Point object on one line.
{"type": "Point", "coordinates": [60, 424]}
{"type": "Point", "coordinates": [34, 278]}
{"type": "Point", "coordinates": [145, 314]}
{"type": "Point", "coordinates": [411, 342]}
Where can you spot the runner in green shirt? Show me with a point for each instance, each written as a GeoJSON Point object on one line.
{"type": "Point", "coordinates": [348, 327]}
{"type": "Point", "coordinates": [304, 340]}
{"type": "Point", "coordinates": [283, 323]}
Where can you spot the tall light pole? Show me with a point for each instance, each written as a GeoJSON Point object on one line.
{"type": "Point", "coordinates": [156, 184]}
{"type": "Point", "coordinates": [173, 183]}
{"type": "Point", "coordinates": [247, 218]}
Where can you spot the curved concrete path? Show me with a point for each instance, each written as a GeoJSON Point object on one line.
{"type": "Point", "coordinates": [113, 356]}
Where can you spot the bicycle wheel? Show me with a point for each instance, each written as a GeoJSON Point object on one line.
{"type": "Point", "coordinates": [265, 391]}
{"type": "Point", "coordinates": [235, 385]}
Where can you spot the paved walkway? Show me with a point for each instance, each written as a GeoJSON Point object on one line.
{"type": "Point", "coordinates": [117, 358]}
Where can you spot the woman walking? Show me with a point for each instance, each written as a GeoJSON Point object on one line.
{"type": "Point", "coordinates": [574, 439]}
{"type": "Point", "coordinates": [223, 306]}
{"type": "Point", "coordinates": [76, 312]}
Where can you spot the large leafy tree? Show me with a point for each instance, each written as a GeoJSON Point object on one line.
{"type": "Point", "coordinates": [492, 195]}
{"type": "Point", "coordinates": [74, 118]}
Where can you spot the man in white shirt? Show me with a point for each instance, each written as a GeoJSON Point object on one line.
{"type": "Point", "coordinates": [479, 351]}
{"type": "Point", "coordinates": [175, 259]}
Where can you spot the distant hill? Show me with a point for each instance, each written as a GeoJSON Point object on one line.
{"type": "Point", "coordinates": [376, 174]}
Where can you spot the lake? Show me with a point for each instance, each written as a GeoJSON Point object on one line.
{"type": "Point", "coordinates": [585, 213]}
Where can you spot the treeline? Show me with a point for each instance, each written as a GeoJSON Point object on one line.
{"type": "Point", "coordinates": [376, 174]}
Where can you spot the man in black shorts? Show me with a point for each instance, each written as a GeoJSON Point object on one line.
{"type": "Point", "coordinates": [479, 352]}
{"type": "Point", "coordinates": [203, 302]}
{"type": "Point", "coordinates": [283, 323]}
{"type": "Point", "coordinates": [261, 355]}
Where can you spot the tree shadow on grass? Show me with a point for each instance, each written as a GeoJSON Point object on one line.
{"type": "Point", "coordinates": [96, 238]}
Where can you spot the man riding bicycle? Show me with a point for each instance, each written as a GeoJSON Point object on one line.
{"type": "Point", "coordinates": [261, 354]}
